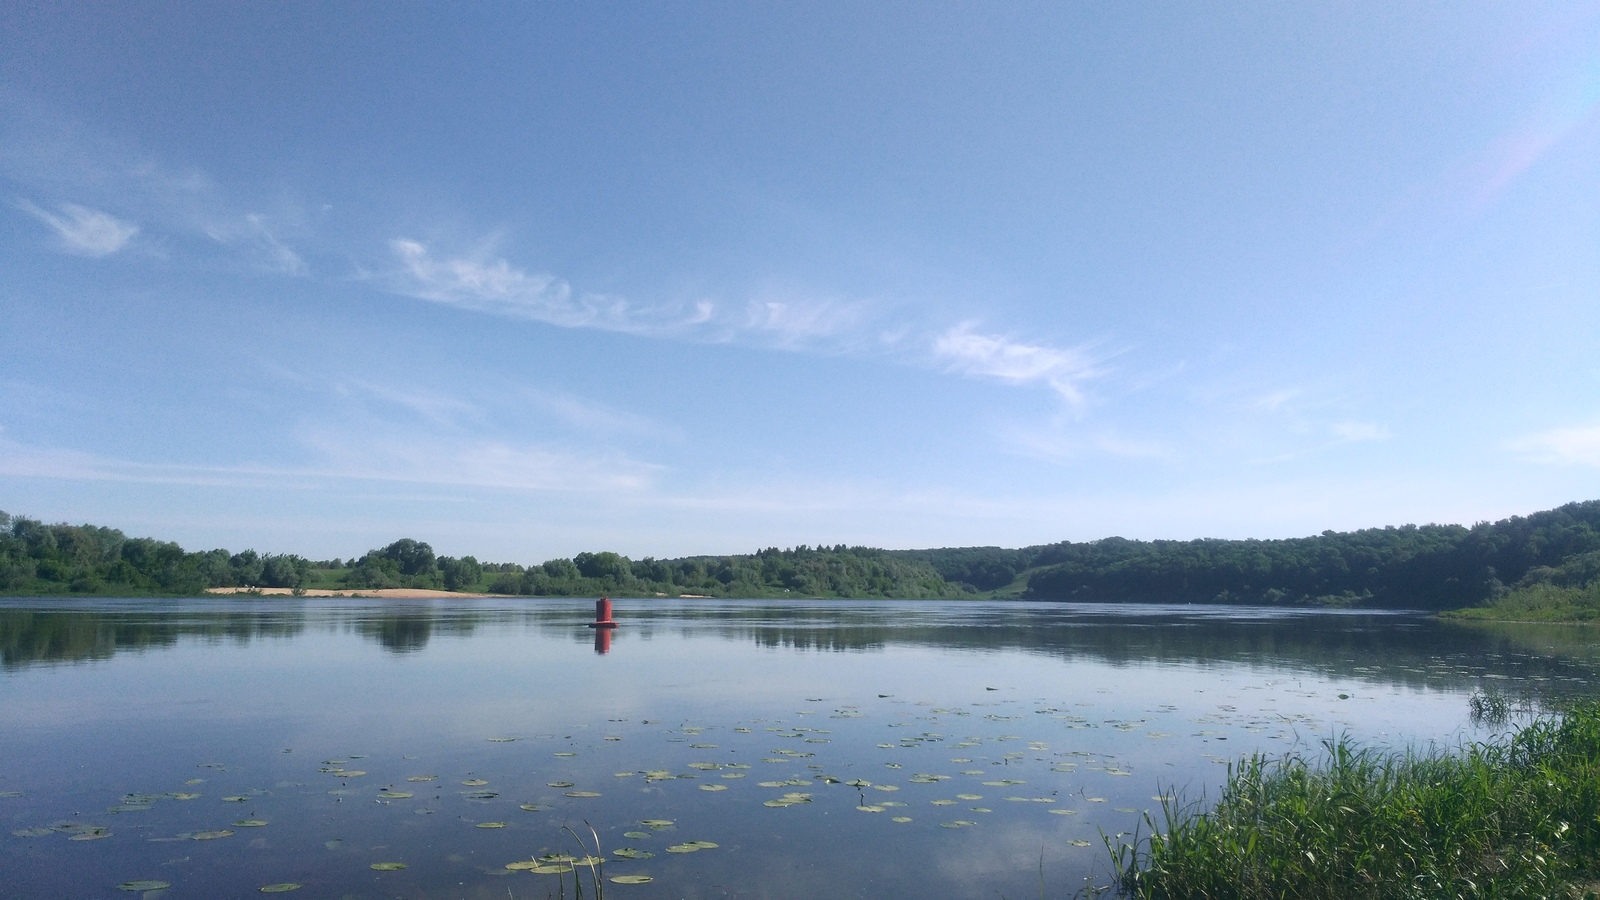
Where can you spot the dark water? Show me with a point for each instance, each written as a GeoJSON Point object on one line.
{"type": "Point", "coordinates": [982, 740]}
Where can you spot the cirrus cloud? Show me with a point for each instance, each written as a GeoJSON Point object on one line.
{"type": "Point", "coordinates": [84, 231]}
{"type": "Point", "coordinates": [964, 350]}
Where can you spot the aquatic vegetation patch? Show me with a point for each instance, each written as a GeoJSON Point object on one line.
{"type": "Point", "coordinates": [1515, 817]}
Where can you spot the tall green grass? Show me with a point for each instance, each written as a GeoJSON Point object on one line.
{"type": "Point", "coordinates": [1517, 817]}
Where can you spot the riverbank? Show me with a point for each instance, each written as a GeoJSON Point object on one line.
{"type": "Point", "coordinates": [1539, 603]}
{"type": "Point", "coordinates": [393, 593]}
{"type": "Point", "coordinates": [1514, 817]}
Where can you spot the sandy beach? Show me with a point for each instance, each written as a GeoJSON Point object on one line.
{"type": "Point", "coordinates": [396, 593]}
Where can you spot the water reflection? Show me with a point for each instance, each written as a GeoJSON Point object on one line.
{"type": "Point", "coordinates": [1408, 650]}
{"type": "Point", "coordinates": [886, 749]}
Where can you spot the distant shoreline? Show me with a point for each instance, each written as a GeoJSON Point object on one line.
{"type": "Point", "coordinates": [369, 593]}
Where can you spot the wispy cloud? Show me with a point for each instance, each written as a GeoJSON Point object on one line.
{"type": "Point", "coordinates": [255, 234]}
{"type": "Point", "coordinates": [84, 231]}
{"type": "Point", "coordinates": [473, 462]}
{"type": "Point", "coordinates": [962, 349]}
{"type": "Point", "coordinates": [1563, 446]}
{"type": "Point", "coordinates": [1058, 443]}
{"type": "Point", "coordinates": [494, 286]}
{"type": "Point", "coordinates": [1351, 432]}
{"type": "Point", "coordinates": [402, 457]}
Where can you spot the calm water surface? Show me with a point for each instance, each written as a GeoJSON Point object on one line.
{"type": "Point", "coordinates": [925, 749]}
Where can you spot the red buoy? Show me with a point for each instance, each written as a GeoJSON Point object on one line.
{"type": "Point", "coordinates": [602, 614]}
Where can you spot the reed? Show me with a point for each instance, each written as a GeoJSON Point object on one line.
{"type": "Point", "coordinates": [1515, 817]}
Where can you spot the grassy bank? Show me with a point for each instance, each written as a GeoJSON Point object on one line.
{"type": "Point", "coordinates": [1512, 818]}
{"type": "Point", "coordinates": [1539, 603]}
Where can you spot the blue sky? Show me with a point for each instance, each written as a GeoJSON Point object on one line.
{"type": "Point", "coordinates": [523, 280]}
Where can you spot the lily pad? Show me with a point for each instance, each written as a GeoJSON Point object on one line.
{"type": "Point", "coordinates": [901, 819]}
{"type": "Point", "coordinates": [282, 887]}
{"type": "Point", "coordinates": [212, 835]}
{"type": "Point", "coordinates": [582, 793]}
{"type": "Point", "coordinates": [630, 879]}
{"type": "Point", "coordinates": [94, 835]}
{"type": "Point", "coordinates": [396, 795]}
{"type": "Point", "coordinates": [637, 835]}
{"type": "Point", "coordinates": [491, 825]}
{"type": "Point", "coordinates": [533, 807]}
{"type": "Point", "coordinates": [500, 740]}
{"type": "Point", "coordinates": [969, 796]}
{"type": "Point", "coordinates": [474, 782]}
{"type": "Point", "coordinates": [33, 832]}
{"type": "Point", "coordinates": [387, 866]}
{"type": "Point", "coordinates": [179, 795]}
{"type": "Point", "coordinates": [550, 870]}
{"type": "Point", "coordinates": [656, 823]}
{"type": "Point", "coordinates": [691, 847]}
{"type": "Point", "coordinates": [144, 885]}
{"type": "Point", "coordinates": [559, 784]}
{"type": "Point", "coordinates": [713, 787]}
{"type": "Point", "coordinates": [632, 853]}
{"type": "Point", "coordinates": [250, 823]}
{"type": "Point", "coordinates": [237, 798]}
{"type": "Point", "coordinates": [422, 778]}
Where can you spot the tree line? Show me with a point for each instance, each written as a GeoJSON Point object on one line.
{"type": "Point", "coordinates": [1428, 566]}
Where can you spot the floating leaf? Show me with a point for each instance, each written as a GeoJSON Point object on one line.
{"type": "Point", "coordinates": [212, 835]}
{"type": "Point", "coordinates": [95, 835]}
{"type": "Point", "coordinates": [713, 787]}
{"type": "Point", "coordinates": [637, 835]}
{"type": "Point", "coordinates": [704, 746]}
{"type": "Point", "coordinates": [144, 885]}
{"type": "Point", "coordinates": [396, 795]}
{"type": "Point", "coordinates": [704, 766]}
{"type": "Point", "coordinates": [583, 793]}
{"type": "Point", "coordinates": [387, 866]}
{"type": "Point", "coordinates": [656, 823]}
{"type": "Point", "coordinates": [533, 807]}
{"type": "Point", "coordinates": [184, 796]}
{"type": "Point", "coordinates": [560, 784]}
{"type": "Point", "coordinates": [33, 832]}
{"type": "Point", "coordinates": [250, 823]}
{"type": "Point", "coordinates": [10, 793]}
{"type": "Point", "coordinates": [1077, 843]}
{"type": "Point", "coordinates": [474, 782]}
{"type": "Point", "coordinates": [235, 799]}
{"type": "Point", "coordinates": [280, 888]}
{"type": "Point", "coordinates": [871, 809]}
{"type": "Point", "coordinates": [969, 796]}
{"type": "Point", "coordinates": [901, 819]}
{"type": "Point", "coordinates": [1063, 812]}
{"type": "Point", "coordinates": [422, 778]}
{"type": "Point", "coordinates": [942, 802]}
{"type": "Point", "coordinates": [691, 847]}
{"type": "Point", "coordinates": [523, 865]}
{"type": "Point", "coordinates": [564, 753]}
{"type": "Point", "coordinates": [630, 879]}
{"type": "Point", "coordinates": [632, 853]}
{"type": "Point", "coordinates": [500, 740]}
{"type": "Point", "coordinates": [491, 825]}
{"type": "Point", "coordinates": [550, 870]}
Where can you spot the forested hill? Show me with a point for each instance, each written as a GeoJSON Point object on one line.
{"type": "Point", "coordinates": [1430, 566]}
